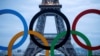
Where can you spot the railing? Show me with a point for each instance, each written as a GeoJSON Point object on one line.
{"type": "Point", "coordinates": [50, 35]}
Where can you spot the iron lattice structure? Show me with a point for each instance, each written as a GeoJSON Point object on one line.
{"type": "Point", "coordinates": [67, 49]}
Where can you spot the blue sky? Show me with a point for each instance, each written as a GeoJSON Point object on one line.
{"type": "Point", "coordinates": [88, 24]}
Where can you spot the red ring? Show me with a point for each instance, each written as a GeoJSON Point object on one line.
{"type": "Point", "coordinates": [74, 28]}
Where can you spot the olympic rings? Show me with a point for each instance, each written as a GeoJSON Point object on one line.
{"type": "Point", "coordinates": [43, 39]}
{"type": "Point", "coordinates": [46, 46]}
{"type": "Point", "coordinates": [74, 28]}
{"type": "Point", "coordinates": [8, 11]}
{"type": "Point", "coordinates": [60, 35]}
{"type": "Point", "coordinates": [51, 11]}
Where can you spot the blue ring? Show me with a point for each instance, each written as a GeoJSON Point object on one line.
{"type": "Point", "coordinates": [8, 11]}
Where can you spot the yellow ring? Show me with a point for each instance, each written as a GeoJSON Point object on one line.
{"type": "Point", "coordinates": [43, 39]}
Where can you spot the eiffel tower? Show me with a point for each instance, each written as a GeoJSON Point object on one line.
{"type": "Point", "coordinates": [67, 49]}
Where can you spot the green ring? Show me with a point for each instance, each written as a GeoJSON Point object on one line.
{"type": "Point", "coordinates": [60, 35]}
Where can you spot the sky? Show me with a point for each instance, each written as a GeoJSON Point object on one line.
{"type": "Point", "coordinates": [88, 24]}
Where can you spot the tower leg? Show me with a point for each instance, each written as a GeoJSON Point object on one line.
{"type": "Point", "coordinates": [67, 48]}
{"type": "Point", "coordinates": [32, 50]}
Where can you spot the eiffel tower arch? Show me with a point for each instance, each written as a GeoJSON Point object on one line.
{"type": "Point", "coordinates": [67, 49]}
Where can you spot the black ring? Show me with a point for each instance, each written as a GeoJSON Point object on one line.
{"type": "Point", "coordinates": [51, 11]}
